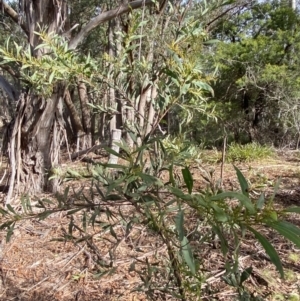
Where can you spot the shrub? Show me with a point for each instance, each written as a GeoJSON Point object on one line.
{"type": "Point", "coordinates": [164, 207]}
{"type": "Point", "coordinates": [248, 152]}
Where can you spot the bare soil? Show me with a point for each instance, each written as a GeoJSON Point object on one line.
{"type": "Point", "coordinates": [35, 266]}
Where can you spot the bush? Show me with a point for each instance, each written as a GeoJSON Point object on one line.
{"type": "Point", "coordinates": [165, 207]}
{"type": "Point", "coordinates": [248, 152]}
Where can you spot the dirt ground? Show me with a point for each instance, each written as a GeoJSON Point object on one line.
{"type": "Point", "coordinates": [35, 266]}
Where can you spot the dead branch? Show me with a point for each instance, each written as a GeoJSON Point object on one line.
{"type": "Point", "coordinates": [86, 151]}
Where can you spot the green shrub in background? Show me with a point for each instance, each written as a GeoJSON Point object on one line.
{"type": "Point", "coordinates": [248, 152]}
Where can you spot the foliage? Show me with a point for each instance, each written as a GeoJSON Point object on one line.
{"type": "Point", "coordinates": [256, 94]}
{"type": "Point", "coordinates": [248, 152]}
{"type": "Point", "coordinates": [139, 182]}
{"type": "Point", "coordinates": [57, 63]}
{"type": "Point", "coordinates": [180, 150]}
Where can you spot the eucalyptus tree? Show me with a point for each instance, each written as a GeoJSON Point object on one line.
{"type": "Point", "coordinates": [38, 127]}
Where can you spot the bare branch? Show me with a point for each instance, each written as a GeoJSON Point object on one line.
{"type": "Point", "coordinates": [239, 5]}
{"type": "Point", "coordinates": [106, 16]}
{"type": "Point", "coordinates": [13, 15]}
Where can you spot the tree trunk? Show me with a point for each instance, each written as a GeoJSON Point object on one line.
{"type": "Point", "coordinates": [129, 126]}
{"type": "Point", "coordinates": [86, 116]}
{"type": "Point", "coordinates": [34, 144]}
{"type": "Point", "coordinates": [75, 119]}
{"type": "Point", "coordinates": [115, 138]}
{"type": "Point", "coordinates": [151, 111]}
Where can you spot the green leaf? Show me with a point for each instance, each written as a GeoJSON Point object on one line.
{"type": "Point", "coordinates": [203, 86]}
{"type": "Point", "coordinates": [92, 219]}
{"type": "Point", "coordinates": [223, 240]}
{"type": "Point", "coordinates": [113, 152]}
{"type": "Point", "coordinates": [275, 189]}
{"type": "Point", "coordinates": [188, 179]}
{"type": "Point", "coordinates": [180, 194]}
{"type": "Point", "coordinates": [260, 202]}
{"type": "Point", "coordinates": [113, 197]}
{"type": "Point", "coordinates": [73, 174]}
{"type": "Point", "coordinates": [151, 180]}
{"type": "Point", "coordinates": [171, 176]}
{"type": "Point", "coordinates": [129, 227]}
{"type": "Point", "coordinates": [133, 136]}
{"type": "Point", "coordinates": [213, 41]}
{"type": "Point", "coordinates": [71, 212]}
{"type": "Point", "coordinates": [51, 77]}
{"type": "Point", "coordinates": [246, 274]}
{"type": "Point", "coordinates": [10, 232]}
{"type": "Point", "coordinates": [220, 214]}
{"type": "Point", "coordinates": [188, 255]}
{"type": "Point", "coordinates": [3, 212]}
{"type": "Point", "coordinates": [179, 224]}
{"type": "Point", "coordinates": [45, 214]}
{"type": "Point", "coordinates": [272, 215]}
{"type": "Point", "coordinates": [292, 209]}
{"type": "Point", "coordinates": [47, 201]}
{"type": "Point", "coordinates": [11, 209]}
{"type": "Point", "coordinates": [269, 250]}
{"type": "Point", "coordinates": [6, 225]}
{"type": "Point", "coordinates": [243, 182]}
{"type": "Point", "coordinates": [113, 233]}
{"type": "Point", "coordinates": [235, 195]}
{"type": "Point", "coordinates": [84, 223]}
{"type": "Point", "coordinates": [66, 192]}
{"type": "Point", "coordinates": [289, 231]}
{"type": "Point", "coordinates": [290, 226]}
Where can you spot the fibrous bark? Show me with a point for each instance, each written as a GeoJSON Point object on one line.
{"type": "Point", "coordinates": [34, 146]}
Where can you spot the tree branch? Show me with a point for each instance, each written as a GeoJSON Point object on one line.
{"type": "Point", "coordinates": [238, 5]}
{"type": "Point", "coordinates": [13, 15]}
{"type": "Point", "coordinates": [106, 16]}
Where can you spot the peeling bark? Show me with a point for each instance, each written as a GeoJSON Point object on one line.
{"type": "Point", "coordinates": [86, 116]}
{"type": "Point", "coordinates": [32, 150]}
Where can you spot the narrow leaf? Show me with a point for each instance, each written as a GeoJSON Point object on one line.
{"type": "Point", "coordinates": [51, 77]}
{"type": "Point", "coordinates": [219, 213]}
{"type": "Point", "coordinates": [288, 230]}
{"type": "Point", "coordinates": [292, 209]}
{"type": "Point", "coordinates": [246, 274]}
{"type": "Point", "coordinates": [84, 221]}
{"type": "Point", "coordinates": [113, 233]}
{"type": "Point", "coordinates": [243, 182]}
{"type": "Point", "coordinates": [45, 214]}
{"type": "Point", "coordinates": [11, 209]}
{"type": "Point", "coordinates": [235, 195]}
{"type": "Point", "coordinates": [113, 152]}
{"type": "Point", "coordinates": [10, 232]}
{"type": "Point", "coordinates": [177, 192]}
{"type": "Point", "coordinates": [269, 250]}
{"type": "Point", "coordinates": [188, 255]}
{"type": "Point", "coordinates": [275, 189]}
{"type": "Point", "coordinates": [223, 240]}
{"type": "Point", "coordinates": [188, 179]}
{"type": "Point", "coordinates": [179, 224]}
{"type": "Point", "coordinates": [260, 202]}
